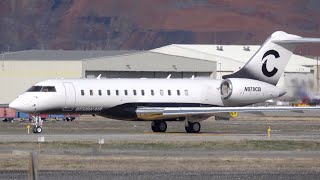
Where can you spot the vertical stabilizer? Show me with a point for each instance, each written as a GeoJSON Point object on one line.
{"type": "Point", "coordinates": [269, 62]}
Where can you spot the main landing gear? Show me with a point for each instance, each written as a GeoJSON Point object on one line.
{"type": "Point", "coordinates": [161, 126]}
{"type": "Point", "coordinates": [37, 125]}
{"type": "Point", "coordinates": [192, 127]}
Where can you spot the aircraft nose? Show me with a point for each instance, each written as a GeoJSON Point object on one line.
{"type": "Point", "coordinates": [16, 105]}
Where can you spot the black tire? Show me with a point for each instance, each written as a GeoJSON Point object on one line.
{"type": "Point", "coordinates": [162, 126]}
{"type": "Point", "coordinates": [34, 129]}
{"type": "Point", "coordinates": [196, 127]}
{"type": "Point", "coordinates": [39, 129]}
{"type": "Point", "coordinates": [159, 126]}
{"type": "Point", "coordinates": [188, 129]}
{"type": "Point", "coordinates": [154, 127]}
{"type": "Point", "coordinates": [193, 127]}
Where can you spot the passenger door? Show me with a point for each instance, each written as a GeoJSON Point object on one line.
{"type": "Point", "coordinates": [70, 96]}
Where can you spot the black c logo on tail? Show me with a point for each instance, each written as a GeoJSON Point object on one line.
{"type": "Point", "coordinates": [264, 66]}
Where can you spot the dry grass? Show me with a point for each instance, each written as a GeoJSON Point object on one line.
{"type": "Point", "coordinates": [160, 163]}
{"type": "Point", "coordinates": [228, 145]}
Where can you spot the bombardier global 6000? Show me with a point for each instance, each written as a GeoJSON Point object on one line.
{"type": "Point", "coordinates": [161, 100]}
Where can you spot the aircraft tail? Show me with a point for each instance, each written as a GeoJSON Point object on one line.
{"type": "Point", "coordinates": [269, 62]}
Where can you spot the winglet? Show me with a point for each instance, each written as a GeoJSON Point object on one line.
{"type": "Point", "coordinates": [169, 76]}
{"type": "Point", "coordinates": [99, 76]}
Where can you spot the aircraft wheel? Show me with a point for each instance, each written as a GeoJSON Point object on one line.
{"type": "Point", "coordinates": [39, 129]}
{"type": "Point", "coordinates": [193, 127]}
{"type": "Point", "coordinates": [162, 126]}
{"type": "Point", "coordinates": [154, 127]}
{"type": "Point", "coordinates": [159, 126]}
{"type": "Point", "coordinates": [196, 127]}
{"type": "Point", "coordinates": [34, 129]}
{"type": "Point", "coordinates": [188, 129]}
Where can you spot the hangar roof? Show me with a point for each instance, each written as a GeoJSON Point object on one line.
{"type": "Point", "coordinates": [231, 57]}
{"type": "Point", "coordinates": [223, 63]}
{"type": "Point", "coordinates": [60, 55]}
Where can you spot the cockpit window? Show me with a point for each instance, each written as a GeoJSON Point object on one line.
{"type": "Point", "coordinates": [48, 89]}
{"type": "Point", "coordinates": [42, 89]}
{"type": "Point", "coordinates": [35, 89]}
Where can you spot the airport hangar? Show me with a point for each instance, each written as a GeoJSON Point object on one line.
{"type": "Point", "coordinates": [20, 70]}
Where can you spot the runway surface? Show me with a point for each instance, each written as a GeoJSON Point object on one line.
{"type": "Point", "coordinates": [79, 175]}
{"type": "Point", "coordinates": [159, 137]}
{"type": "Point", "coordinates": [236, 149]}
{"type": "Point", "coordinates": [239, 129]}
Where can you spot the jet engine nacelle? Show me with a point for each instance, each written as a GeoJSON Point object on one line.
{"type": "Point", "coordinates": [241, 91]}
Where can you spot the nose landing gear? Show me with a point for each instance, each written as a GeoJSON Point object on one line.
{"type": "Point", "coordinates": [37, 125]}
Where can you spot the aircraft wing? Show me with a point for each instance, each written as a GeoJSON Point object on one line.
{"type": "Point", "coordinates": [151, 113]}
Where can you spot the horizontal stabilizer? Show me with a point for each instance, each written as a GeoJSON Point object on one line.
{"type": "Point", "coordinates": [298, 40]}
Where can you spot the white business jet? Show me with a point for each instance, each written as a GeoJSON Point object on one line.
{"type": "Point", "coordinates": [160, 100]}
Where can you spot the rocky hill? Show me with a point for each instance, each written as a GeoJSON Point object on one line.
{"type": "Point", "coordinates": [147, 24]}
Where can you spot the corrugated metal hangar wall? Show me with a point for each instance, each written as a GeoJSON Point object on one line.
{"type": "Point", "coordinates": [17, 76]}
{"type": "Point", "coordinates": [148, 65]}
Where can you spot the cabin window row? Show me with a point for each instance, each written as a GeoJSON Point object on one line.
{"type": "Point", "coordinates": [136, 92]}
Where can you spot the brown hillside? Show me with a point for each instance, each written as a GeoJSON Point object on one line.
{"type": "Point", "coordinates": [146, 24]}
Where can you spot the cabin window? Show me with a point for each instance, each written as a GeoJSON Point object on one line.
{"type": "Point", "coordinates": [91, 92]}
{"type": "Point", "coordinates": [117, 92]}
{"type": "Point", "coordinates": [161, 92]}
{"type": "Point", "coordinates": [169, 92]}
{"type": "Point", "coordinates": [82, 92]}
{"type": "Point", "coordinates": [186, 92]}
{"type": "Point", "coordinates": [108, 92]}
{"type": "Point", "coordinates": [152, 92]}
{"type": "Point", "coordinates": [142, 92]}
{"type": "Point", "coordinates": [178, 92]}
{"type": "Point", "coordinates": [126, 92]}
{"type": "Point", "coordinates": [135, 92]}
{"type": "Point", "coordinates": [100, 93]}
